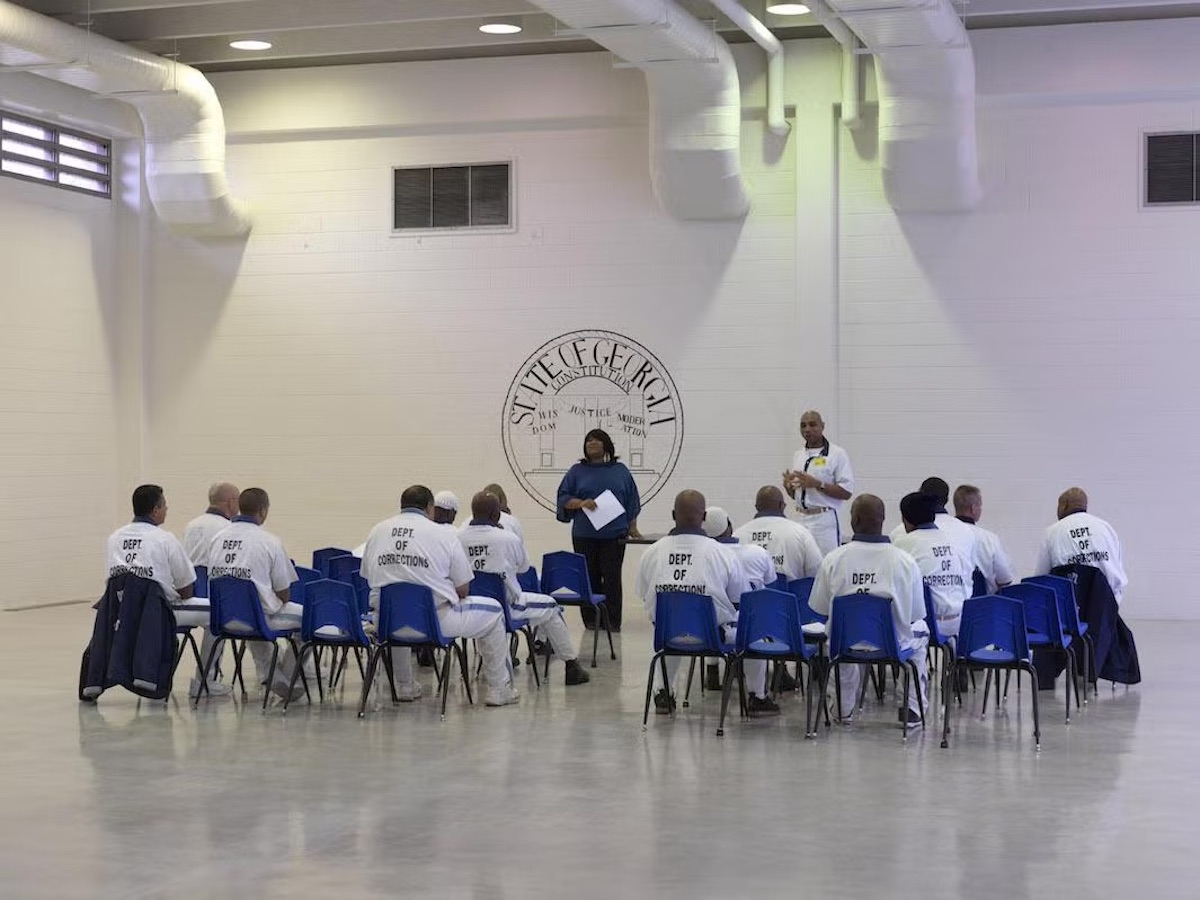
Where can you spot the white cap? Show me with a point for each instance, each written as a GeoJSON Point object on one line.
{"type": "Point", "coordinates": [716, 520]}
{"type": "Point", "coordinates": [445, 500]}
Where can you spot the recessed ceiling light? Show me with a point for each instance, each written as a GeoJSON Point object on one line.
{"type": "Point", "coordinates": [250, 45]}
{"type": "Point", "coordinates": [500, 28]}
{"type": "Point", "coordinates": [788, 9]}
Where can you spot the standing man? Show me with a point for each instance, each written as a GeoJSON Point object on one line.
{"type": "Point", "coordinates": [1079, 538]}
{"type": "Point", "coordinates": [820, 480]}
{"type": "Point", "coordinates": [990, 557]}
{"type": "Point", "coordinates": [222, 506]}
{"type": "Point", "coordinates": [942, 569]}
{"type": "Point", "coordinates": [412, 548]}
{"type": "Point", "coordinates": [869, 563]}
{"type": "Point", "coordinates": [445, 508]}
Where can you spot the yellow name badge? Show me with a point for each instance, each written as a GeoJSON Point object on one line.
{"type": "Point", "coordinates": [819, 461]}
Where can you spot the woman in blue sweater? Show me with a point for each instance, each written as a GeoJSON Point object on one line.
{"type": "Point", "coordinates": [597, 472]}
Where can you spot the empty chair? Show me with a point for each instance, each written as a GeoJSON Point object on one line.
{"type": "Point", "coordinates": [342, 567]}
{"type": "Point", "coordinates": [1044, 628]}
{"type": "Point", "coordinates": [939, 644]}
{"type": "Point", "coordinates": [321, 558]}
{"type": "Point", "coordinates": [1068, 608]}
{"type": "Point", "coordinates": [565, 578]}
{"type": "Point", "coordinates": [685, 625]}
{"type": "Point", "coordinates": [490, 584]}
{"type": "Point", "coordinates": [330, 619]}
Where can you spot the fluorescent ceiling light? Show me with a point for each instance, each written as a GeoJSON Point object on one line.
{"type": "Point", "coordinates": [787, 9]}
{"type": "Point", "coordinates": [500, 28]}
{"type": "Point", "coordinates": [250, 45]}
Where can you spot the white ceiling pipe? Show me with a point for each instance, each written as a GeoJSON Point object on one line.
{"type": "Point", "coordinates": [695, 100]}
{"type": "Point", "coordinates": [182, 121]}
{"type": "Point", "coordinates": [737, 14]}
{"type": "Point", "coordinates": [851, 64]}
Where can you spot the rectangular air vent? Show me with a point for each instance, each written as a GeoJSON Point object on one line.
{"type": "Point", "coordinates": [40, 151]}
{"type": "Point", "coordinates": [459, 197]}
{"type": "Point", "coordinates": [1172, 168]}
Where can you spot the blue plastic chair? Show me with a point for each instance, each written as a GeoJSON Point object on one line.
{"type": "Point", "coordinates": [342, 567]}
{"type": "Point", "coordinates": [565, 578]}
{"type": "Point", "coordinates": [867, 619]}
{"type": "Point", "coordinates": [236, 615]}
{"type": "Point", "coordinates": [938, 643]}
{"type": "Point", "coordinates": [1044, 628]}
{"type": "Point", "coordinates": [200, 588]}
{"type": "Point", "coordinates": [321, 558]}
{"type": "Point", "coordinates": [330, 620]}
{"type": "Point", "coordinates": [408, 618]}
{"type": "Point", "coordinates": [305, 575]}
{"type": "Point", "coordinates": [1068, 608]}
{"type": "Point", "coordinates": [684, 625]}
{"type": "Point", "coordinates": [490, 584]}
{"type": "Point", "coordinates": [993, 635]}
{"type": "Point", "coordinates": [769, 628]}
{"type": "Point", "coordinates": [528, 580]}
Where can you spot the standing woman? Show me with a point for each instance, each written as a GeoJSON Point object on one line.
{"type": "Point", "coordinates": [597, 472]}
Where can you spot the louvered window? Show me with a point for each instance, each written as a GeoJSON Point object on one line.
{"type": "Point", "coordinates": [1172, 169]}
{"type": "Point", "coordinates": [458, 197]}
{"type": "Point", "coordinates": [40, 151]}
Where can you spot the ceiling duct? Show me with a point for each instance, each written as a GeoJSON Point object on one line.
{"type": "Point", "coordinates": [695, 101]}
{"type": "Point", "coordinates": [181, 117]}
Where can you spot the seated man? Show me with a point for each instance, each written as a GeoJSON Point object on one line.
{"type": "Point", "coordinates": [790, 545]}
{"type": "Point", "coordinates": [942, 569]}
{"type": "Point", "coordinates": [757, 565]}
{"type": "Point", "coordinates": [507, 520]}
{"type": "Point", "coordinates": [145, 549]}
{"type": "Point", "coordinates": [222, 506]}
{"type": "Point", "coordinates": [412, 548]}
{"type": "Point", "coordinates": [688, 560]}
{"type": "Point", "coordinates": [244, 549]}
{"type": "Point", "coordinates": [445, 508]}
{"type": "Point", "coordinates": [870, 564]}
{"type": "Point", "coordinates": [963, 536]}
{"type": "Point", "coordinates": [1079, 538]}
{"type": "Point", "coordinates": [491, 548]}
{"type": "Point", "coordinates": [990, 557]}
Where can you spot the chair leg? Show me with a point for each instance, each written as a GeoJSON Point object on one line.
{"type": "Point", "coordinates": [537, 679]}
{"type": "Point", "coordinates": [1037, 731]}
{"type": "Point", "coordinates": [239, 652]}
{"type": "Point", "coordinates": [987, 689]}
{"type": "Point", "coordinates": [1075, 676]}
{"type": "Point", "coordinates": [837, 687]}
{"type": "Point", "coordinates": [1007, 678]}
{"type": "Point", "coordinates": [687, 691]}
{"type": "Point", "coordinates": [1067, 687]}
{"type": "Point", "coordinates": [369, 680]}
{"type": "Point", "coordinates": [608, 630]}
{"type": "Point", "coordinates": [296, 672]}
{"type": "Point", "coordinates": [904, 725]}
{"type": "Point", "coordinates": [953, 676]}
{"type": "Point", "coordinates": [726, 686]}
{"type": "Point", "coordinates": [464, 667]}
{"type": "Point", "coordinates": [303, 678]}
{"type": "Point", "coordinates": [271, 674]}
{"type": "Point", "coordinates": [649, 692]}
{"type": "Point", "coordinates": [596, 632]}
{"type": "Point", "coordinates": [391, 673]}
{"type": "Point", "coordinates": [212, 654]}
{"type": "Point", "coordinates": [445, 679]}
{"type": "Point", "coordinates": [810, 728]}
{"type": "Point", "coordinates": [917, 688]}
{"type": "Point", "coordinates": [741, 680]}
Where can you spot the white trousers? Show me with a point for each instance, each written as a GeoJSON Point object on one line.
{"type": "Point", "coordinates": [193, 613]}
{"type": "Point", "coordinates": [852, 678]}
{"type": "Point", "coordinates": [286, 619]}
{"type": "Point", "coordinates": [477, 618]}
{"type": "Point", "coordinates": [756, 669]}
{"type": "Point", "coordinates": [824, 529]}
{"type": "Point", "coordinates": [540, 611]}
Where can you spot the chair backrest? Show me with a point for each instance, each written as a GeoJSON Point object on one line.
{"type": "Point", "coordinates": [1042, 615]}
{"type": "Point", "coordinates": [235, 609]}
{"type": "Point", "coordinates": [979, 585]}
{"type": "Point", "coordinates": [340, 568]}
{"type": "Point", "coordinates": [686, 623]}
{"type": "Point", "coordinates": [769, 622]}
{"type": "Point", "coordinates": [935, 635]}
{"type": "Point", "coordinates": [864, 619]}
{"type": "Point", "coordinates": [491, 584]}
{"type": "Point", "coordinates": [408, 616]}
{"type": "Point", "coordinates": [801, 589]}
{"type": "Point", "coordinates": [992, 630]}
{"type": "Point", "coordinates": [362, 593]}
{"type": "Point", "coordinates": [321, 558]}
{"type": "Point", "coordinates": [528, 580]}
{"type": "Point", "coordinates": [1064, 590]}
{"type": "Point", "coordinates": [305, 575]}
{"type": "Point", "coordinates": [565, 576]}
{"type": "Point", "coordinates": [200, 588]}
{"type": "Point", "coordinates": [331, 604]}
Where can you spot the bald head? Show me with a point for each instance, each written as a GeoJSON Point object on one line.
{"type": "Point", "coordinates": [500, 495]}
{"type": "Point", "coordinates": [769, 499]}
{"type": "Point", "coordinates": [867, 514]}
{"type": "Point", "coordinates": [1072, 500]}
{"type": "Point", "coordinates": [812, 428]}
{"type": "Point", "coordinates": [223, 497]}
{"type": "Point", "coordinates": [689, 509]}
{"type": "Point", "coordinates": [485, 507]}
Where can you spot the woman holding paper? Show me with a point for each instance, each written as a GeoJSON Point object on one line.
{"type": "Point", "coordinates": [599, 498]}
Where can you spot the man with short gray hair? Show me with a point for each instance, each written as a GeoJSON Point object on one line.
{"type": "Point", "coordinates": [222, 507]}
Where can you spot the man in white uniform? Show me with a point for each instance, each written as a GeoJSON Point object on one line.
{"type": "Point", "coordinates": [992, 561]}
{"type": "Point", "coordinates": [688, 560]}
{"type": "Point", "coordinates": [963, 536]}
{"type": "Point", "coordinates": [222, 506]}
{"type": "Point", "coordinates": [942, 569]}
{"type": "Point", "coordinates": [445, 508]}
{"type": "Point", "coordinates": [870, 564]}
{"type": "Point", "coordinates": [147, 550]}
{"type": "Point", "coordinates": [507, 520]}
{"type": "Point", "coordinates": [792, 548]}
{"type": "Point", "coordinates": [244, 549]}
{"type": "Point", "coordinates": [820, 480]}
{"type": "Point", "coordinates": [1079, 538]}
{"type": "Point", "coordinates": [411, 548]}
{"type": "Point", "coordinates": [491, 548]}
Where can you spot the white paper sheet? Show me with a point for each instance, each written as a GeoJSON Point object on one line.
{"type": "Point", "coordinates": [608, 507]}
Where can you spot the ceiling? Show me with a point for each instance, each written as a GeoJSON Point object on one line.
{"type": "Point", "coordinates": [332, 32]}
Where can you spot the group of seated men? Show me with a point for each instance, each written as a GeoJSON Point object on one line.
{"type": "Point", "coordinates": [410, 547]}
{"type": "Point", "coordinates": [930, 548]}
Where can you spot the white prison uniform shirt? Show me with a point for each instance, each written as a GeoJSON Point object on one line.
{"type": "Point", "coordinates": [409, 548]}
{"type": "Point", "coordinates": [244, 549]}
{"type": "Point", "coordinates": [144, 549]}
{"type": "Point", "coordinates": [1084, 539]}
{"type": "Point", "coordinates": [490, 548]}
{"type": "Point", "coordinates": [791, 547]}
{"type": "Point", "coordinates": [691, 562]}
{"type": "Point", "coordinates": [511, 523]}
{"type": "Point", "coordinates": [756, 563]}
{"type": "Point", "coordinates": [962, 535]}
{"type": "Point", "coordinates": [833, 467]}
{"type": "Point", "coordinates": [873, 567]}
{"type": "Point", "coordinates": [943, 572]}
{"type": "Point", "coordinates": [992, 560]}
{"type": "Point", "coordinates": [199, 534]}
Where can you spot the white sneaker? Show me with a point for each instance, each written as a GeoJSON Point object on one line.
{"type": "Point", "coordinates": [408, 692]}
{"type": "Point", "coordinates": [214, 689]}
{"type": "Point", "coordinates": [502, 696]}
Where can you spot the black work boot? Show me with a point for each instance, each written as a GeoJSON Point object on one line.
{"type": "Point", "coordinates": [712, 677]}
{"type": "Point", "coordinates": [576, 674]}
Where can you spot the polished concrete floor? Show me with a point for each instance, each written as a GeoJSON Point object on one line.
{"type": "Point", "coordinates": [565, 796]}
